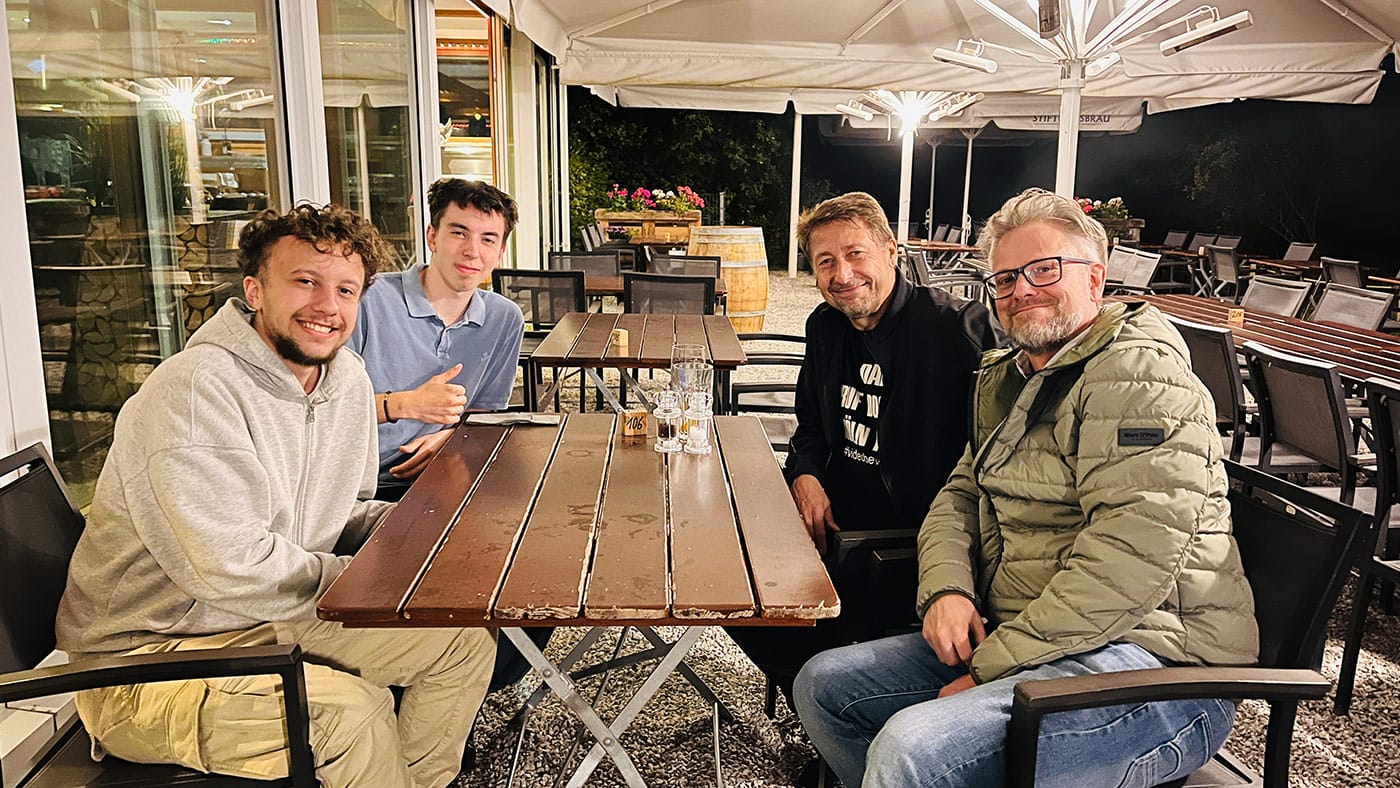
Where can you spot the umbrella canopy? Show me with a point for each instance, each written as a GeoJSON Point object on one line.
{"type": "Point", "coordinates": [758, 55]}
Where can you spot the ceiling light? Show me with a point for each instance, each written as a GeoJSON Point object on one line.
{"type": "Point", "coordinates": [969, 55]}
{"type": "Point", "coordinates": [855, 110]}
{"type": "Point", "coordinates": [883, 100]}
{"type": "Point", "coordinates": [1207, 31]}
{"type": "Point", "coordinates": [953, 105]}
{"type": "Point", "coordinates": [1101, 64]}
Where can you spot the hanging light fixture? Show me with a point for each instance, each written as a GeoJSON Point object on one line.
{"type": "Point", "coordinates": [909, 107]}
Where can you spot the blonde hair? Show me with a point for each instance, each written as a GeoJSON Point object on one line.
{"type": "Point", "coordinates": [1038, 205]}
{"type": "Point", "coordinates": [856, 207]}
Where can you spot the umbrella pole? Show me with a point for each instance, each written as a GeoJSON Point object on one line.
{"type": "Point", "coordinates": [906, 176]}
{"type": "Point", "coordinates": [1071, 84]}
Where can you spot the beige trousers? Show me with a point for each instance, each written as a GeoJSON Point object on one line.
{"type": "Point", "coordinates": [235, 725]}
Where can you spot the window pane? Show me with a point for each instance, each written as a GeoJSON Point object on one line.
{"type": "Point", "coordinates": [367, 72]}
{"type": "Point", "coordinates": [464, 90]}
{"type": "Point", "coordinates": [146, 138]}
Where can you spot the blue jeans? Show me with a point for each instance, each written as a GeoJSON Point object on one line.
{"type": "Point", "coordinates": [873, 712]}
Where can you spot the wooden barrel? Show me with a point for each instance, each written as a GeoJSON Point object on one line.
{"type": "Point", "coordinates": [743, 266]}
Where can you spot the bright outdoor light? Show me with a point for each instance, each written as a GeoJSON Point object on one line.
{"type": "Point", "coordinates": [909, 106]}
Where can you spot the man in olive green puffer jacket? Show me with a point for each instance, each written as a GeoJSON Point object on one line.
{"type": "Point", "coordinates": [1085, 530]}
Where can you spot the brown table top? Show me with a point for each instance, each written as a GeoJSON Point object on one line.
{"type": "Point", "coordinates": [944, 246]}
{"type": "Point", "coordinates": [594, 284]}
{"type": "Point", "coordinates": [580, 339]}
{"type": "Point", "coordinates": [1357, 353]}
{"type": "Point", "coordinates": [1388, 281]}
{"type": "Point", "coordinates": [658, 240]}
{"type": "Point", "coordinates": [1300, 267]}
{"type": "Point", "coordinates": [576, 525]}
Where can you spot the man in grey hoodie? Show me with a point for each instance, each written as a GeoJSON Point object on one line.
{"type": "Point", "coordinates": [236, 488]}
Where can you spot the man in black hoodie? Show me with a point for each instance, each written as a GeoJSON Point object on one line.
{"type": "Point", "coordinates": [881, 402]}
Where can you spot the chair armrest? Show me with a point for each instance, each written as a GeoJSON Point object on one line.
{"type": "Point", "coordinates": [1033, 699]}
{"type": "Point", "coordinates": [146, 668]}
{"type": "Point", "coordinates": [282, 659]}
{"type": "Point", "coordinates": [1142, 686]}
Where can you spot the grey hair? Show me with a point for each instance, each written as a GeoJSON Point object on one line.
{"type": "Point", "coordinates": [1038, 205]}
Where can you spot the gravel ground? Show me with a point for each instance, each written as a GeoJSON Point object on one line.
{"type": "Point", "coordinates": [672, 742]}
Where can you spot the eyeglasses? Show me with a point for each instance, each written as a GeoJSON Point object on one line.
{"type": "Point", "coordinates": [1041, 272]}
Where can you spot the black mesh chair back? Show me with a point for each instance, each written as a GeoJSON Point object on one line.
{"type": "Point", "coordinates": [668, 294]}
{"type": "Point", "coordinates": [1299, 252]}
{"type": "Point", "coordinates": [685, 265]}
{"type": "Point", "coordinates": [1383, 405]}
{"type": "Point", "coordinates": [1224, 266]}
{"type": "Point", "coordinates": [1198, 240]}
{"type": "Point", "coordinates": [1353, 306]}
{"type": "Point", "coordinates": [1175, 239]}
{"type": "Point", "coordinates": [1301, 406]}
{"type": "Point", "coordinates": [1227, 241]}
{"type": "Point", "coordinates": [1297, 549]}
{"type": "Point", "coordinates": [40, 526]}
{"type": "Point", "coordinates": [1215, 362]}
{"type": "Point", "coordinates": [586, 236]}
{"type": "Point", "coordinates": [592, 263]}
{"type": "Point", "coordinates": [766, 386]}
{"type": "Point", "coordinates": [1280, 296]}
{"type": "Point", "coordinates": [1343, 272]}
{"type": "Point", "coordinates": [543, 296]}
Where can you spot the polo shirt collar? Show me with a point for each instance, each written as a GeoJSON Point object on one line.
{"type": "Point", "coordinates": [417, 301]}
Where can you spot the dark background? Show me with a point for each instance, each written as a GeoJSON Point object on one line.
{"type": "Point", "coordinates": [1270, 171]}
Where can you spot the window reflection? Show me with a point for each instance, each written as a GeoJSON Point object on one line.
{"type": "Point", "coordinates": [464, 91]}
{"type": "Point", "coordinates": [367, 73]}
{"type": "Point", "coordinates": [147, 139]}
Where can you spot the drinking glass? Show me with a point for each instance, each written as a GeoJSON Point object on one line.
{"type": "Point", "coordinates": [691, 373]}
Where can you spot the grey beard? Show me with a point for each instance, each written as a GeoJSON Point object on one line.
{"type": "Point", "coordinates": [1047, 335]}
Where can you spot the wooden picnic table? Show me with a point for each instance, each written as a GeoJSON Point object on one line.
{"type": "Point", "coordinates": [581, 340]}
{"type": "Point", "coordinates": [1357, 353]}
{"type": "Point", "coordinates": [602, 285]}
{"type": "Point", "coordinates": [1303, 269]}
{"type": "Point", "coordinates": [574, 524]}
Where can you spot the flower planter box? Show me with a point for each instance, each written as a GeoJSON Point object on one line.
{"type": "Point", "coordinates": [669, 225]}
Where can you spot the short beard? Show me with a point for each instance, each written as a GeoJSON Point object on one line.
{"type": "Point", "coordinates": [292, 352]}
{"type": "Point", "coordinates": [1046, 335]}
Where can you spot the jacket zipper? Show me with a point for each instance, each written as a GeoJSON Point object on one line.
{"type": "Point", "coordinates": [305, 468]}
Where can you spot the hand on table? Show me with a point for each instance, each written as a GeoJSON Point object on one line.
{"type": "Point", "coordinates": [437, 401]}
{"type": "Point", "coordinates": [953, 628]}
{"type": "Point", "coordinates": [815, 508]}
{"type": "Point", "coordinates": [419, 451]}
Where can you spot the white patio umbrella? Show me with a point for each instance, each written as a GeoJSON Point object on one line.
{"type": "Point", "coordinates": [1306, 50]}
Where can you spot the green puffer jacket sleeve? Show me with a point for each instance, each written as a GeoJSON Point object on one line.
{"type": "Point", "coordinates": [949, 540]}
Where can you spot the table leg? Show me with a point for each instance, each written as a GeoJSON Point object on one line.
{"type": "Point", "coordinates": [559, 682]}
{"type": "Point", "coordinates": [596, 377]}
{"type": "Point", "coordinates": [653, 682]}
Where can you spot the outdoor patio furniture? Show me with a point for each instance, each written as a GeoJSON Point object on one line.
{"type": "Point", "coordinates": [672, 294]}
{"type": "Point", "coordinates": [1297, 549]}
{"type": "Point", "coordinates": [40, 526]}
{"type": "Point", "coordinates": [1216, 363]}
{"type": "Point", "coordinates": [1299, 252]}
{"type": "Point", "coordinates": [1343, 272]}
{"type": "Point", "coordinates": [543, 297]}
{"type": "Point", "coordinates": [773, 398]}
{"type": "Point", "coordinates": [1353, 306]}
{"type": "Point", "coordinates": [1280, 296]}
{"type": "Point", "coordinates": [1225, 270]}
{"type": "Point", "coordinates": [1382, 563]}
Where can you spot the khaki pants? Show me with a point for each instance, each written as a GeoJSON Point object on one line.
{"type": "Point", "coordinates": [235, 725]}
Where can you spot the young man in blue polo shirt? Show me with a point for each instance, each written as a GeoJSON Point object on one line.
{"type": "Point", "coordinates": [434, 344]}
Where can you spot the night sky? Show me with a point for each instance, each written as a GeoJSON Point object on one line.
{"type": "Point", "coordinates": [1337, 165]}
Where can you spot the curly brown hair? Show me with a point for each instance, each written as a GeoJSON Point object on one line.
{"type": "Point", "coordinates": [329, 229]}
